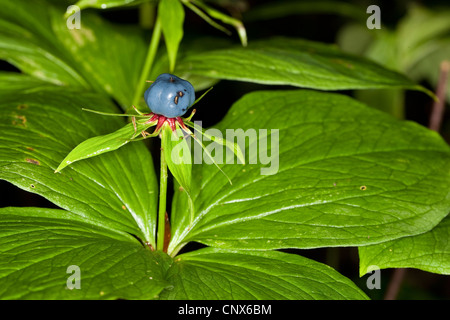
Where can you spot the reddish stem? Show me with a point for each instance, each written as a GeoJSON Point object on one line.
{"type": "Point", "coordinates": [437, 112]}
{"type": "Point", "coordinates": [166, 233]}
{"type": "Point", "coordinates": [395, 284]}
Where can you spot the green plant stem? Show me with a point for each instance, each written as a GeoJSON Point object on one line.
{"type": "Point", "coordinates": [162, 202]}
{"type": "Point", "coordinates": [152, 49]}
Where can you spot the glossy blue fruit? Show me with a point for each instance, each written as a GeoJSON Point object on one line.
{"type": "Point", "coordinates": [170, 96]}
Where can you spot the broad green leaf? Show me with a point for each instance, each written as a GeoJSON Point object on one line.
{"type": "Point", "coordinates": [101, 144]}
{"type": "Point", "coordinates": [37, 247]}
{"type": "Point", "coordinates": [429, 251]}
{"type": "Point", "coordinates": [343, 174]}
{"type": "Point", "coordinates": [246, 275]}
{"type": "Point", "coordinates": [38, 130]}
{"type": "Point", "coordinates": [171, 13]}
{"type": "Point", "coordinates": [28, 42]}
{"type": "Point", "coordinates": [35, 38]}
{"type": "Point", "coordinates": [18, 82]}
{"type": "Point", "coordinates": [109, 56]}
{"type": "Point", "coordinates": [284, 61]}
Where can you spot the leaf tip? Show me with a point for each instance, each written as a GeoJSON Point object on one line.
{"type": "Point", "coordinates": [60, 167]}
{"type": "Point", "coordinates": [242, 32]}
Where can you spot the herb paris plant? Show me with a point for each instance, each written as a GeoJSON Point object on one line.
{"type": "Point", "coordinates": [168, 98]}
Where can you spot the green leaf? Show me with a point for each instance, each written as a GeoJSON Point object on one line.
{"type": "Point", "coordinates": [418, 54]}
{"type": "Point", "coordinates": [284, 61]}
{"type": "Point", "coordinates": [246, 275]}
{"type": "Point", "coordinates": [38, 130]}
{"type": "Point", "coordinates": [28, 42]}
{"type": "Point", "coordinates": [171, 13]}
{"type": "Point", "coordinates": [344, 175]}
{"type": "Point", "coordinates": [429, 68]}
{"type": "Point", "coordinates": [101, 144]}
{"type": "Point", "coordinates": [430, 27]}
{"type": "Point", "coordinates": [110, 56]}
{"type": "Point", "coordinates": [18, 82]}
{"type": "Point", "coordinates": [38, 246]}
{"type": "Point", "coordinates": [178, 158]}
{"type": "Point", "coordinates": [429, 251]}
{"type": "Point", "coordinates": [400, 49]}
{"type": "Point", "coordinates": [101, 56]}
{"type": "Point", "coordinates": [355, 38]}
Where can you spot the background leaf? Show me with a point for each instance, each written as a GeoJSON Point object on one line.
{"type": "Point", "coordinates": [348, 175]}
{"type": "Point", "coordinates": [38, 245]}
{"type": "Point", "coordinates": [171, 13]}
{"type": "Point", "coordinates": [431, 27]}
{"type": "Point", "coordinates": [302, 63]}
{"type": "Point", "coordinates": [417, 54]}
{"type": "Point", "coordinates": [429, 68]}
{"type": "Point", "coordinates": [246, 275]}
{"type": "Point", "coordinates": [101, 56]}
{"type": "Point", "coordinates": [39, 128]}
{"type": "Point", "coordinates": [108, 55]}
{"type": "Point", "coordinates": [28, 42]}
{"type": "Point", "coordinates": [429, 251]}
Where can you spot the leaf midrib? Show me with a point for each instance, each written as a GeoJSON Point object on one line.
{"type": "Point", "coordinates": [185, 234]}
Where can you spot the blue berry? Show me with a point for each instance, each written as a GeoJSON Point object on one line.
{"type": "Point", "coordinates": [169, 96]}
